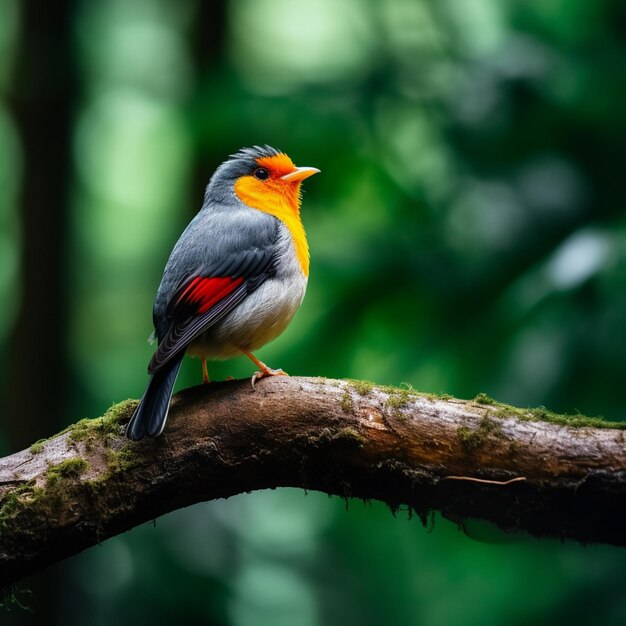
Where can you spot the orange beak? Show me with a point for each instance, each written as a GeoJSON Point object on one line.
{"type": "Point", "coordinates": [299, 174]}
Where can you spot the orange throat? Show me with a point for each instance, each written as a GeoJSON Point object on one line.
{"type": "Point", "coordinates": [282, 200]}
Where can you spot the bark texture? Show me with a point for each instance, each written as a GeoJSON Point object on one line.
{"type": "Point", "coordinates": [522, 470]}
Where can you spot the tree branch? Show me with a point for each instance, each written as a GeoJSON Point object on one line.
{"type": "Point", "coordinates": [526, 470]}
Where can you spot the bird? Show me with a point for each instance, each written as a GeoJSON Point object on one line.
{"type": "Point", "coordinates": [235, 278]}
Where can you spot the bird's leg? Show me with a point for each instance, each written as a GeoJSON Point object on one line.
{"type": "Point", "coordinates": [205, 372]}
{"type": "Point", "coordinates": [264, 370]}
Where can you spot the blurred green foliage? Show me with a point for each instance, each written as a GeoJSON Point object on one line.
{"type": "Point", "coordinates": [467, 234]}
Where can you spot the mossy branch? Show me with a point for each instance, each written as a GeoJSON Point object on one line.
{"type": "Point", "coordinates": [524, 470]}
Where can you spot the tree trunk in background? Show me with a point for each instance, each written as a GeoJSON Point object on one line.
{"type": "Point", "coordinates": [43, 105]}
{"type": "Point", "coordinates": [207, 48]}
{"type": "Point", "coordinates": [208, 36]}
{"type": "Point", "coordinates": [44, 95]}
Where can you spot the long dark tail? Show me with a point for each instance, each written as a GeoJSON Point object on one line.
{"type": "Point", "coordinates": [150, 416]}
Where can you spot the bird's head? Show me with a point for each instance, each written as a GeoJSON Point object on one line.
{"type": "Point", "coordinates": [262, 178]}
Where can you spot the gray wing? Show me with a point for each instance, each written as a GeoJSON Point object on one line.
{"type": "Point", "coordinates": [220, 259]}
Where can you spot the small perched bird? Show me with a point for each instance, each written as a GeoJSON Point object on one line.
{"type": "Point", "coordinates": [235, 278]}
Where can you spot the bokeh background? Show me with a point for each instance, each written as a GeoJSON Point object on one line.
{"type": "Point", "coordinates": [468, 234]}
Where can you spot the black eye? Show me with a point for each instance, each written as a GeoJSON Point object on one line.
{"type": "Point", "coordinates": [261, 173]}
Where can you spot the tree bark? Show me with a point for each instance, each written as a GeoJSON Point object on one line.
{"type": "Point", "coordinates": [523, 470]}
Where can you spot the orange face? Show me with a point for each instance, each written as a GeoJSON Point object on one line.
{"type": "Point", "coordinates": [276, 181]}
{"type": "Point", "coordinates": [274, 187]}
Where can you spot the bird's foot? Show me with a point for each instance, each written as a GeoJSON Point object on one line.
{"type": "Point", "coordinates": [265, 373]}
{"type": "Point", "coordinates": [205, 373]}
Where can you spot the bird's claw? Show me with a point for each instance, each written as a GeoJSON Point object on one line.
{"type": "Point", "coordinates": [265, 373]}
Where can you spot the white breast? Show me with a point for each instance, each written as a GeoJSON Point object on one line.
{"type": "Point", "coordinates": [263, 315]}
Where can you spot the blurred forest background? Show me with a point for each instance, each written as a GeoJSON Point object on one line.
{"type": "Point", "coordinates": [468, 234]}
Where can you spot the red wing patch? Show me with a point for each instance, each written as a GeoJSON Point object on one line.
{"type": "Point", "coordinates": [204, 292]}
